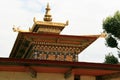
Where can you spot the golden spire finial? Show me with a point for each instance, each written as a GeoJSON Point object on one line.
{"type": "Point", "coordinates": [47, 16]}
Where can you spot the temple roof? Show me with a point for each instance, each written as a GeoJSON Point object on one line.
{"type": "Point", "coordinates": [77, 42]}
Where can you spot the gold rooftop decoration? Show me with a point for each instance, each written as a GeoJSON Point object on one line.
{"type": "Point", "coordinates": [47, 26]}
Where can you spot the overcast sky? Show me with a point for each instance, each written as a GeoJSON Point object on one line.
{"type": "Point", "coordinates": [85, 18]}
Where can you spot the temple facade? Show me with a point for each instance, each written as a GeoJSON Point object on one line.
{"type": "Point", "coordinates": [42, 53]}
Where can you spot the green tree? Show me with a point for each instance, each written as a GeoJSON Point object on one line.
{"type": "Point", "coordinates": [111, 25]}
{"type": "Point", "coordinates": [111, 59]}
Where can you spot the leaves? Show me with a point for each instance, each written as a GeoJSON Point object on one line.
{"type": "Point", "coordinates": [111, 59]}
{"type": "Point", "coordinates": [111, 42]}
{"type": "Point", "coordinates": [111, 25]}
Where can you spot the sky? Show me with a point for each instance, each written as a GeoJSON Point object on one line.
{"type": "Point", "coordinates": [85, 18]}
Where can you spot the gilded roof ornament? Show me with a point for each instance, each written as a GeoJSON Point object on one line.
{"type": "Point", "coordinates": [47, 16]}
{"type": "Point", "coordinates": [67, 22]}
{"type": "Point", "coordinates": [103, 35]}
{"type": "Point", "coordinates": [17, 29]}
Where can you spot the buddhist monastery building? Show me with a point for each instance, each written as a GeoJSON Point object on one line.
{"type": "Point", "coordinates": [42, 53]}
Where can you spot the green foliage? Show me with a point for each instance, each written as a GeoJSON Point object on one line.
{"type": "Point", "coordinates": [111, 59]}
{"type": "Point", "coordinates": [111, 25]}
{"type": "Point", "coordinates": [111, 42]}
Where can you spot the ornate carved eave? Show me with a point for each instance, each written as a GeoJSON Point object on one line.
{"type": "Point", "coordinates": [25, 41]}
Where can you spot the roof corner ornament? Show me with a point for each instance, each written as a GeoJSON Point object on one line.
{"type": "Point", "coordinates": [17, 29]}
{"type": "Point", "coordinates": [67, 23]}
{"type": "Point", "coordinates": [103, 34]}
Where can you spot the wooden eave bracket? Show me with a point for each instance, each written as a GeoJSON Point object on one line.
{"type": "Point", "coordinates": [68, 73]}
{"type": "Point", "coordinates": [33, 73]}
